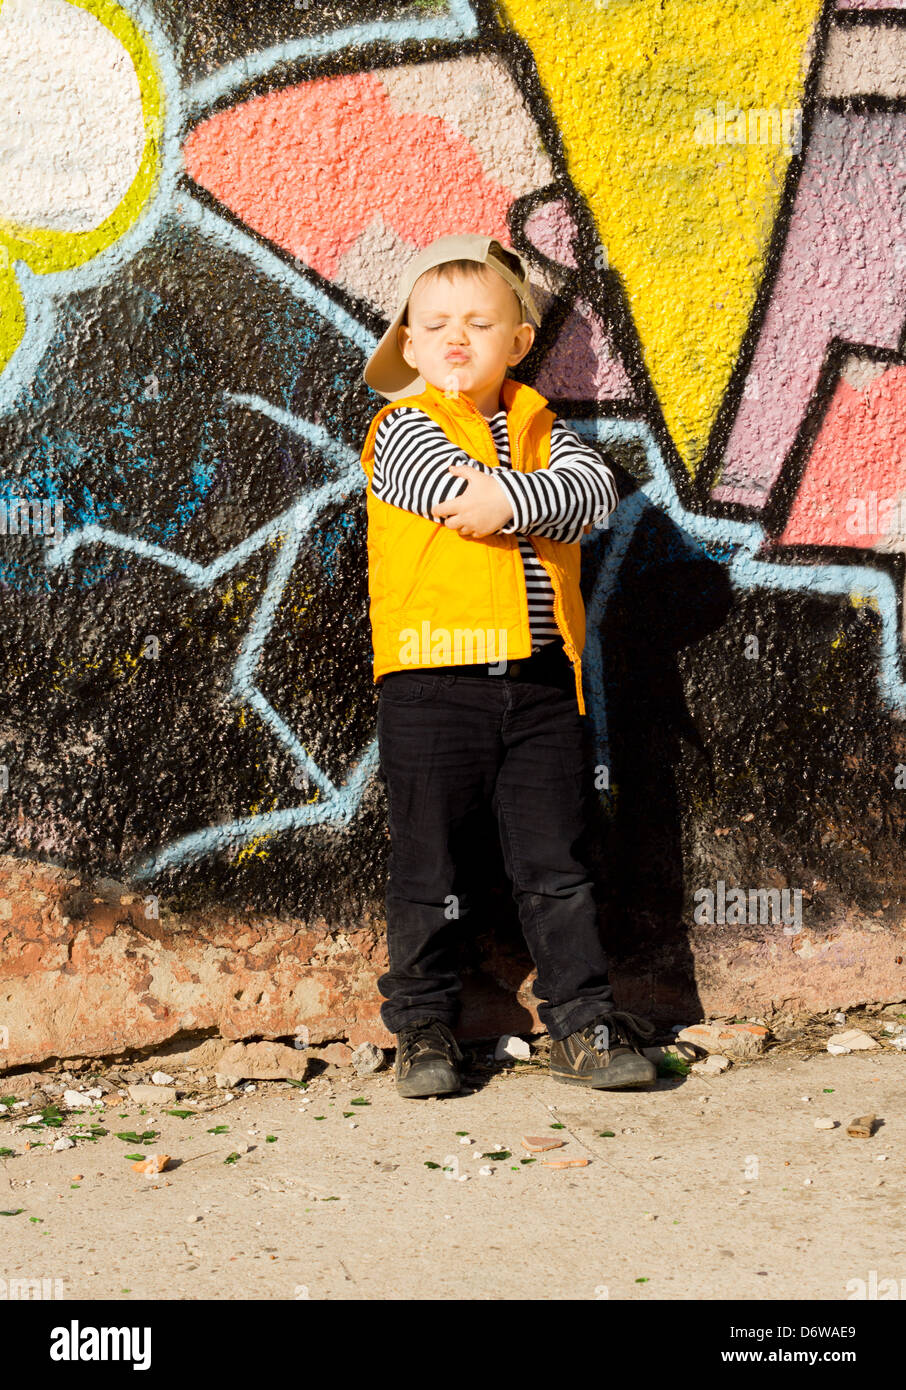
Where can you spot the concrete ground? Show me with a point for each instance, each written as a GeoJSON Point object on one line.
{"type": "Point", "coordinates": [709, 1188]}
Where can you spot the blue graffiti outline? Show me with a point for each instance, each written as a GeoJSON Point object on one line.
{"type": "Point", "coordinates": [458, 23]}
{"type": "Point", "coordinates": [290, 528]}
{"type": "Point", "coordinates": [746, 570]}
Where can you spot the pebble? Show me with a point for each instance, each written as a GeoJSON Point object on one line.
{"type": "Point", "coordinates": [152, 1095]}
{"type": "Point", "coordinates": [160, 1078]}
{"type": "Point", "coordinates": [839, 1018]}
{"type": "Point", "coordinates": [352, 1124]}
{"type": "Point", "coordinates": [853, 1040]}
{"type": "Point", "coordinates": [807, 1182]}
{"type": "Point", "coordinates": [485, 1172]}
{"type": "Point", "coordinates": [367, 1059]}
{"type": "Point", "coordinates": [711, 1066]}
{"type": "Point", "coordinates": [743, 1192]}
{"type": "Point", "coordinates": [509, 1045]}
{"type": "Point", "coordinates": [62, 1144]}
{"type": "Point", "coordinates": [191, 1219]}
{"type": "Point", "coordinates": [77, 1100]}
{"type": "Point", "coordinates": [466, 1140]}
{"type": "Point", "coordinates": [880, 1158]}
{"type": "Point", "coordinates": [463, 1177]}
{"type": "Point", "coordinates": [825, 1123]}
{"type": "Point", "coordinates": [805, 1097]}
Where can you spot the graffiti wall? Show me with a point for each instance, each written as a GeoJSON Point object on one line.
{"type": "Point", "coordinates": [203, 212]}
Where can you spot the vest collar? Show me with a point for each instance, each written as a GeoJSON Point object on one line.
{"type": "Point", "coordinates": [521, 402]}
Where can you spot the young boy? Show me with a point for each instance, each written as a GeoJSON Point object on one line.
{"type": "Point", "coordinates": [476, 501]}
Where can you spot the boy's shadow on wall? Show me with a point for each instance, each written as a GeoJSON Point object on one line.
{"type": "Point", "coordinates": [667, 596]}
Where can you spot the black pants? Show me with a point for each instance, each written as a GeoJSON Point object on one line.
{"type": "Point", "coordinates": [450, 743]}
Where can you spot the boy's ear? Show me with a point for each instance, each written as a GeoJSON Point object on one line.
{"type": "Point", "coordinates": [404, 339]}
{"type": "Point", "coordinates": [522, 342]}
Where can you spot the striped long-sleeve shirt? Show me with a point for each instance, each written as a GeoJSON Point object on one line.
{"type": "Point", "coordinates": [412, 456]}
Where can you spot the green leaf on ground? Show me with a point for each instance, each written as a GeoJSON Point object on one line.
{"type": "Point", "coordinates": [526, 1160]}
{"type": "Point", "coordinates": [181, 1114]}
{"type": "Point", "coordinates": [606, 1134]}
{"type": "Point", "coordinates": [39, 1220]}
{"type": "Point", "coordinates": [557, 1125]}
{"type": "Point", "coordinates": [429, 1164]}
{"type": "Point", "coordinates": [300, 1085]}
{"type": "Point", "coordinates": [498, 1154]}
{"type": "Point", "coordinates": [231, 1158]}
{"type": "Point", "coordinates": [219, 1129]}
{"type": "Point", "coordinates": [7, 1153]}
{"type": "Point", "coordinates": [270, 1138]}
{"type": "Point", "coordinates": [642, 1281]}
{"type": "Point", "coordinates": [462, 1134]}
{"type": "Point", "coordinates": [136, 1158]}
{"type": "Point", "coordinates": [348, 1114]}
{"type": "Point", "coordinates": [360, 1100]}
{"type": "Point", "coordinates": [672, 1066]}
{"type": "Point", "coordinates": [17, 1211]}
{"type": "Point", "coordinates": [129, 1136]}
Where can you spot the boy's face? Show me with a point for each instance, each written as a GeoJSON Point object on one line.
{"type": "Point", "coordinates": [464, 332]}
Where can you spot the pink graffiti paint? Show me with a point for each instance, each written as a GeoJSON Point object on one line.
{"type": "Point", "coordinates": [870, 4]}
{"type": "Point", "coordinates": [583, 363]}
{"type": "Point", "coordinates": [859, 457]}
{"type": "Point", "coordinates": [842, 275]}
{"type": "Point", "coordinates": [312, 165]}
{"type": "Point", "coordinates": [551, 230]}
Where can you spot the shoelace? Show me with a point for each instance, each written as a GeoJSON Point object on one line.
{"type": "Point", "coordinates": [622, 1026]}
{"type": "Point", "coordinates": [429, 1037]}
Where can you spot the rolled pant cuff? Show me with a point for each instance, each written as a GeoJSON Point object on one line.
{"type": "Point", "coordinates": [560, 1026]}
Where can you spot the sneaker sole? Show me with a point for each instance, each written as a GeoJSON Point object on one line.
{"type": "Point", "coordinates": [628, 1083]}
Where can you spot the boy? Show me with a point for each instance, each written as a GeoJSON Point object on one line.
{"type": "Point", "coordinates": [476, 501]}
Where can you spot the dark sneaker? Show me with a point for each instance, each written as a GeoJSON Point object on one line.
{"type": "Point", "coordinates": [605, 1061]}
{"type": "Point", "coordinates": [426, 1057]}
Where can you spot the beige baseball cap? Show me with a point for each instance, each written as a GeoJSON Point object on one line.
{"type": "Point", "coordinates": [387, 371]}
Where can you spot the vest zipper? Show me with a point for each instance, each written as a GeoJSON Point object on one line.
{"type": "Point", "coordinates": [490, 435]}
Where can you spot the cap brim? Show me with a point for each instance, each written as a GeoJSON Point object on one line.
{"type": "Point", "coordinates": [387, 371]}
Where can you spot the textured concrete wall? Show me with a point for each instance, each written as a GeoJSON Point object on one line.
{"type": "Point", "coordinates": [202, 215]}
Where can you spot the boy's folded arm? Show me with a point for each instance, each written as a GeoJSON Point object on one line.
{"type": "Point", "coordinates": [560, 501]}
{"type": "Point", "coordinates": [412, 458]}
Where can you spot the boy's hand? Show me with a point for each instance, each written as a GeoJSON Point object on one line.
{"type": "Point", "coordinates": [479, 511]}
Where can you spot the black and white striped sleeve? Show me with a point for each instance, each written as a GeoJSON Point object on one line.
{"type": "Point", "coordinates": [412, 456]}
{"type": "Point", "coordinates": [559, 501]}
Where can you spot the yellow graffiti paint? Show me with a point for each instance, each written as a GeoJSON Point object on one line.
{"type": "Point", "coordinates": [45, 251]}
{"type": "Point", "coordinates": [686, 224]}
{"type": "Point", "coordinates": [254, 849]}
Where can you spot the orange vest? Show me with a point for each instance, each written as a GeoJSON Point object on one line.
{"type": "Point", "coordinates": [437, 596]}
